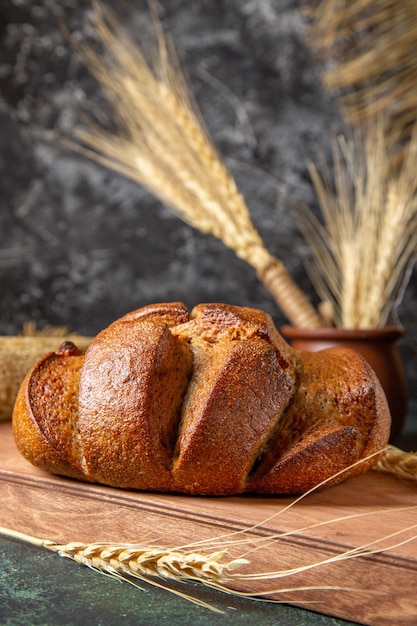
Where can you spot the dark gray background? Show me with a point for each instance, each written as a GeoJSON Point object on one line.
{"type": "Point", "coordinates": [80, 245]}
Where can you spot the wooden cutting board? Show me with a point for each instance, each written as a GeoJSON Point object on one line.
{"type": "Point", "coordinates": [382, 586]}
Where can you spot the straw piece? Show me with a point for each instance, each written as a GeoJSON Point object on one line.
{"type": "Point", "coordinates": [17, 356]}
{"type": "Point", "coordinates": [398, 462]}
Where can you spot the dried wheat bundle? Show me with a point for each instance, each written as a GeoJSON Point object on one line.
{"type": "Point", "coordinates": [18, 353]}
{"type": "Point", "coordinates": [368, 235]}
{"type": "Point", "coordinates": [160, 143]}
{"type": "Point", "coordinates": [372, 61]}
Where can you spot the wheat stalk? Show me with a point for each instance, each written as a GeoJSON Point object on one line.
{"type": "Point", "coordinates": [368, 236]}
{"type": "Point", "coordinates": [370, 46]}
{"type": "Point", "coordinates": [161, 144]}
{"type": "Point", "coordinates": [133, 562]}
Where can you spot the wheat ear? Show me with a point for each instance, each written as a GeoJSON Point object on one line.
{"type": "Point", "coordinates": [398, 462]}
{"type": "Point", "coordinates": [161, 144]}
{"type": "Point", "coordinates": [368, 236]}
{"type": "Point", "coordinates": [373, 68]}
{"type": "Point", "coordinates": [141, 560]}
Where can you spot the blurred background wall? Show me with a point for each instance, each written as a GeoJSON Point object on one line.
{"type": "Point", "coordinates": [80, 245]}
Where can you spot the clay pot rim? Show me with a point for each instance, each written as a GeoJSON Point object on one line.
{"type": "Point", "coordinates": [388, 332]}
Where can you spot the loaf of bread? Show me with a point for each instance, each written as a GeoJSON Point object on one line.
{"type": "Point", "coordinates": [210, 402]}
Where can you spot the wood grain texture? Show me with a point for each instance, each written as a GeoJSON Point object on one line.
{"type": "Point", "coordinates": [377, 504]}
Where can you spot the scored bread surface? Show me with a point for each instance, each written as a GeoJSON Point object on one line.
{"type": "Point", "coordinates": [210, 402]}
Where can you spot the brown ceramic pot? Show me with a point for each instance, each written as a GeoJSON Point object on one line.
{"type": "Point", "coordinates": [378, 346]}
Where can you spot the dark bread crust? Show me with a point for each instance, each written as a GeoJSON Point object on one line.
{"type": "Point", "coordinates": [217, 448]}
{"type": "Point", "coordinates": [243, 379]}
{"type": "Point", "coordinates": [325, 429]}
{"type": "Point", "coordinates": [208, 402]}
{"type": "Point", "coordinates": [47, 409]}
{"type": "Point", "coordinates": [131, 389]}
